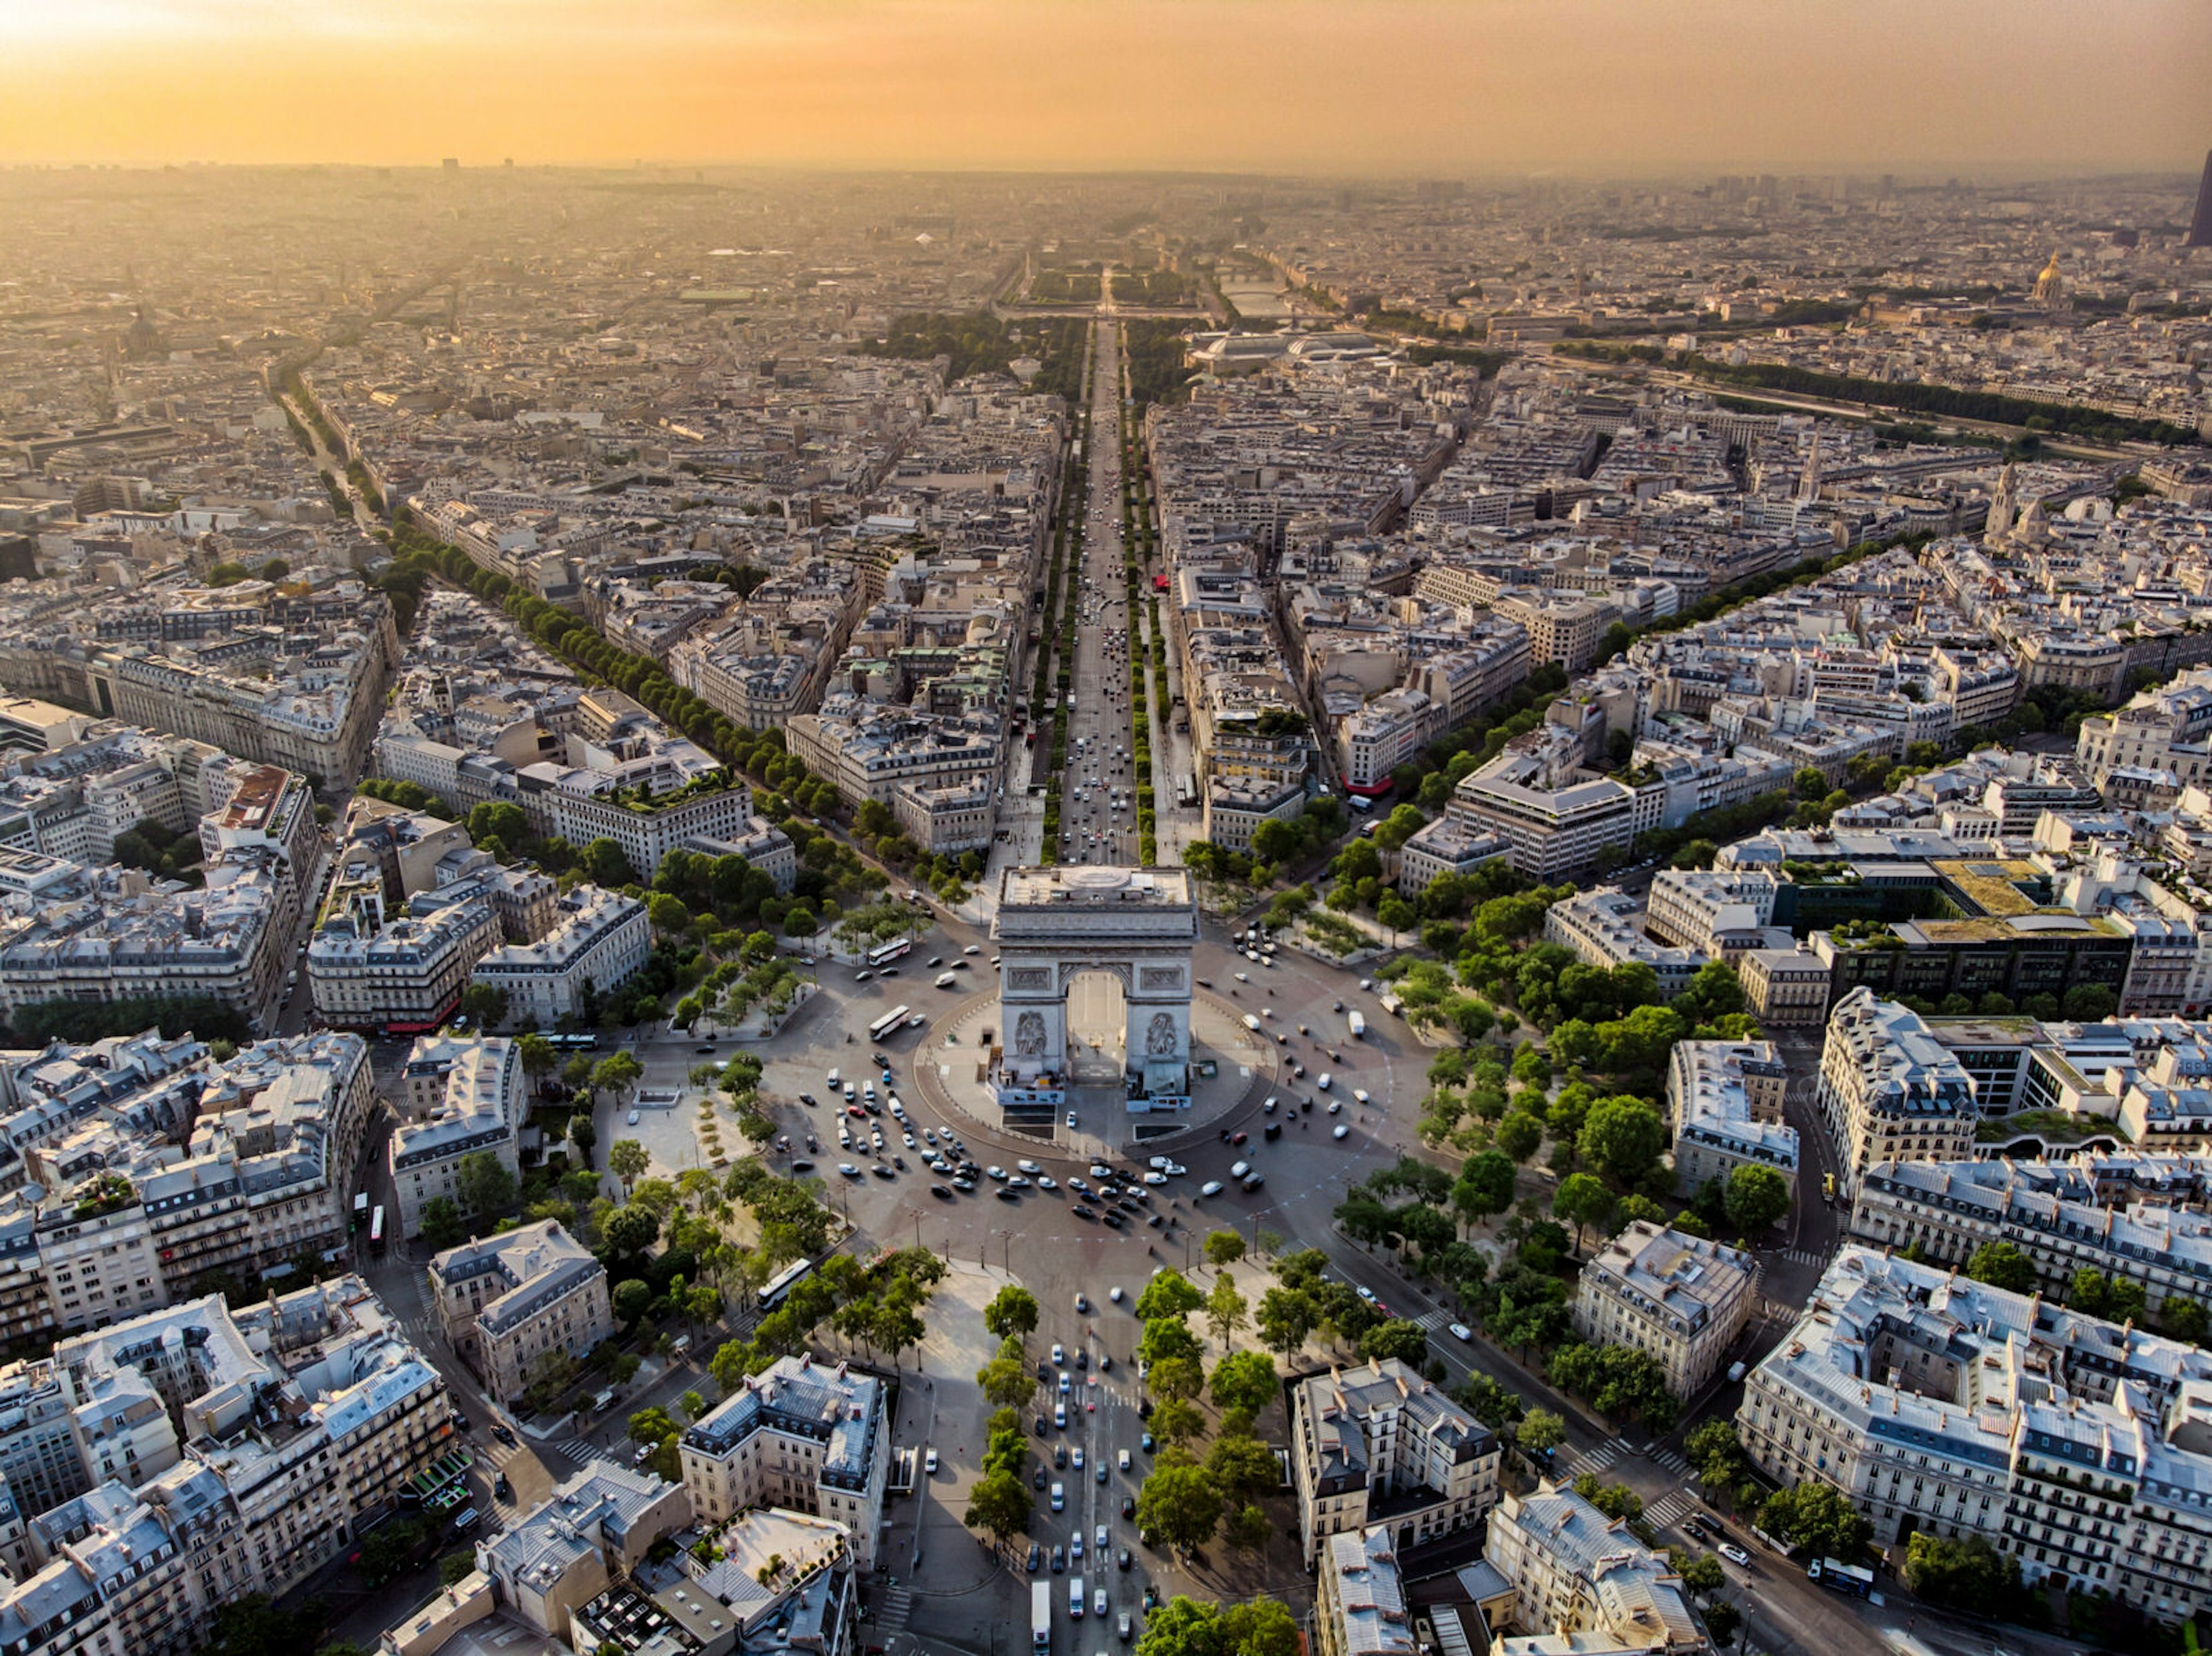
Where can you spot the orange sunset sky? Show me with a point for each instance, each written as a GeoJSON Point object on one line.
{"type": "Point", "coordinates": [1464, 86]}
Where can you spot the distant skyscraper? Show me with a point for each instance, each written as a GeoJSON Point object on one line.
{"type": "Point", "coordinates": [2200, 227]}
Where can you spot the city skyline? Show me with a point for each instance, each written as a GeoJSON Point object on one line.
{"type": "Point", "coordinates": [1397, 88]}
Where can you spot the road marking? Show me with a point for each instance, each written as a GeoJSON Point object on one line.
{"type": "Point", "coordinates": [1667, 1508]}
{"type": "Point", "coordinates": [1595, 1461]}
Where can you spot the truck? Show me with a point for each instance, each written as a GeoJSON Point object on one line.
{"type": "Point", "coordinates": [1358, 1025]}
{"type": "Point", "coordinates": [1040, 1617]}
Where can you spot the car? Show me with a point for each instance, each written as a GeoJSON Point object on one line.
{"type": "Point", "coordinates": [1211, 1187]}
{"type": "Point", "coordinates": [1359, 1094]}
{"type": "Point", "coordinates": [1155, 1179]}
{"type": "Point", "coordinates": [850, 1171]}
{"type": "Point", "coordinates": [1105, 1363]}
{"type": "Point", "coordinates": [1341, 1132]}
{"type": "Point", "coordinates": [1335, 1106]}
{"type": "Point", "coordinates": [1243, 977]}
{"type": "Point", "coordinates": [1082, 1212]}
{"type": "Point", "coordinates": [908, 1138]}
{"type": "Point", "coordinates": [1059, 1456]}
{"type": "Point", "coordinates": [1071, 1117]}
{"type": "Point", "coordinates": [500, 1430]}
{"type": "Point", "coordinates": [1128, 1505]}
{"type": "Point", "coordinates": [1099, 1170]}
{"type": "Point", "coordinates": [1098, 1541]}
{"type": "Point", "coordinates": [1238, 1169]}
{"type": "Point", "coordinates": [929, 1463]}
{"type": "Point", "coordinates": [1082, 1302]}
{"type": "Point", "coordinates": [971, 950]}
{"type": "Point", "coordinates": [1147, 1443]}
{"type": "Point", "coordinates": [636, 1116]}
{"type": "Point", "coordinates": [999, 1174]}
{"type": "Point", "coordinates": [703, 1049]}
{"type": "Point", "coordinates": [1735, 1555]}
{"type": "Point", "coordinates": [1008, 1195]}
{"type": "Point", "coordinates": [1058, 1354]}
{"type": "Point", "coordinates": [802, 1165]}
{"type": "Point", "coordinates": [1017, 1182]}
{"type": "Point", "coordinates": [1121, 1627]}
{"type": "Point", "coordinates": [810, 1101]}
{"type": "Point", "coordinates": [1112, 1220]}
{"type": "Point", "coordinates": [882, 1172]}
{"type": "Point", "coordinates": [1114, 1294]}
{"type": "Point", "coordinates": [1363, 1292]}
{"type": "Point", "coordinates": [1035, 1558]}
{"type": "Point", "coordinates": [1065, 1382]}
{"type": "Point", "coordinates": [1075, 1547]}
{"type": "Point", "coordinates": [862, 976]}
{"type": "Point", "coordinates": [1461, 1332]}
{"type": "Point", "coordinates": [1046, 1181]}
{"type": "Point", "coordinates": [1321, 1081]}
{"type": "Point", "coordinates": [1083, 1360]}
{"type": "Point", "coordinates": [964, 1185]}
{"type": "Point", "coordinates": [942, 1192]}
{"type": "Point", "coordinates": [1058, 1553]}
{"type": "Point", "coordinates": [937, 959]}
{"type": "Point", "coordinates": [1239, 1138]}
{"type": "Point", "coordinates": [1076, 1460]}
{"type": "Point", "coordinates": [644, 1453]}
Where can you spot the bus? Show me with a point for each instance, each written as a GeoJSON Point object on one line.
{"type": "Point", "coordinates": [1853, 1579]}
{"type": "Point", "coordinates": [890, 1020]}
{"type": "Point", "coordinates": [376, 1230]}
{"type": "Point", "coordinates": [573, 1043]}
{"type": "Point", "coordinates": [360, 1209]}
{"type": "Point", "coordinates": [778, 1287]}
{"type": "Point", "coordinates": [884, 953]}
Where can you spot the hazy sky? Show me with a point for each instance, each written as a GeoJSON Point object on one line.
{"type": "Point", "coordinates": [1455, 87]}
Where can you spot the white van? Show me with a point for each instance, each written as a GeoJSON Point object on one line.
{"type": "Point", "coordinates": [831, 1077]}
{"type": "Point", "coordinates": [1251, 1023]}
{"type": "Point", "coordinates": [1075, 1597]}
{"type": "Point", "coordinates": [1321, 1081]}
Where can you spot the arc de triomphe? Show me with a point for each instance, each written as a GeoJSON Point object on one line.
{"type": "Point", "coordinates": [1055, 924]}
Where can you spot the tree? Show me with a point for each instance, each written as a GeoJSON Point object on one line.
{"type": "Point", "coordinates": [2003, 1265]}
{"type": "Point", "coordinates": [1244, 1381]}
{"type": "Point", "coordinates": [1285, 1318]}
{"type": "Point", "coordinates": [1485, 1186]}
{"type": "Point", "coordinates": [1722, 1620]}
{"type": "Point", "coordinates": [1174, 1419]}
{"type": "Point", "coordinates": [651, 1426]}
{"type": "Point", "coordinates": [1521, 1135]}
{"type": "Point", "coordinates": [539, 1059]}
{"type": "Point", "coordinates": [1621, 1137]}
{"type": "Point", "coordinates": [1182, 1626]}
{"type": "Point", "coordinates": [1225, 1310]}
{"type": "Point", "coordinates": [1007, 1380]}
{"type": "Point", "coordinates": [1243, 1468]}
{"type": "Point", "coordinates": [1259, 1627]}
{"type": "Point", "coordinates": [1177, 1377]}
{"type": "Point", "coordinates": [1581, 1199]}
{"type": "Point", "coordinates": [583, 1133]}
{"type": "Point", "coordinates": [2088, 1003]}
{"type": "Point", "coordinates": [485, 1004]}
{"type": "Point", "coordinates": [1168, 1294]}
{"type": "Point", "coordinates": [628, 1231]}
{"type": "Point", "coordinates": [632, 1299]}
{"type": "Point", "coordinates": [617, 1073]}
{"type": "Point", "coordinates": [1757, 1196]}
{"type": "Point", "coordinates": [442, 1223]}
{"type": "Point", "coordinates": [1541, 1431]}
{"type": "Point", "coordinates": [999, 1505]}
{"type": "Point", "coordinates": [1223, 1247]}
{"type": "Point", "coordinates": [1178, 1502]}
{"type": "Point", "coordinates": [627, 1160]}
{"type": "Point", "coordinates": [1012, 1313]}
{"type": "Point", "coordinates": [1703, 1573]}
{"type": "Point", "coordinates": [1817, 1516]}
{"type": "Point", "coordinates": [2183, 1319]}
{"type": "Point", "coordinates": [485, 1186]}
{"type": "Point", "coordinates": [1965, 1575]}
{"type": "Point", "coordinates": [1396, 1337]}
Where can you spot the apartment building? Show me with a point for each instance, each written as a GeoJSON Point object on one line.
{"type": "Point", "coordinates": [593, 1529]}
{"type": "Point", "coordinates": [477, 1109]}
{"type": "Point", "coordinates": [1447, 846]}
{"type": "Point", "coordinates": [1599, 926]}
{"type": "Point", "coordinates": [1784, 988]}
{"type": "Point", "coordinates": [800, 1433]}
{"type": "Point", "coordinates": [1555, 820]}
{"type": "Point", "coordinates": [2142, 1218]}
{"type": "Point", "coordinates": [946, 819]}
{"type": "Point", "coordinates": [1720, 913]}
{"type": "Point", "coordinates": [1574, 1570]}
{"type": "Point", "coordinates": [599, 941]}
{"type": "Point", "coordinates": [1889, 1091]}
{"type": "Point", "coordinates": [1938, 1403]}
{"type": "Point", "coordinates": [1680, 1299]}
{"type": "Point", "coordinates": [298, 1420]}
{"type": "Point", "coordinates": [2167, 727]}
{"type": "Point", "coordinates": [2015, 955]}
{"type": "Point", "coordinates": [784, 1581]}
{"type": "Point", "coordinates": [1563, 626]}
{"type": "Point", "coordinates": [584, 805]}
{"type": "Point", "coordinates": [1360, 1607]}
{"type": "Point", "coordinates": [401, 968]}
{"type": "Point", "coordinates": [1378, 1445]}
{"type": "Point", "coordinates": [1725, 1106]}
{"type": "Point", "coordinates": [1236, 805]}
{"type": "Point", "coordinates": [507, 1301]}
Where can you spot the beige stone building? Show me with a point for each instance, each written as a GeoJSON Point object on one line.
{"type": "Point", "coordinates": [811, 1436]}
{"type": "Point", "coordinates": [507, 1301]}
{"type": "Point", "coordinates": [1680, 1298]}
{"type": "Point", "coordinates": [1379, 1445]}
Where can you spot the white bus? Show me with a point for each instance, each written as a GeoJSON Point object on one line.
{"type": "Point", "coordinates": [884, 953]}
{"type": "Point", "coordinates": [890, 1020]}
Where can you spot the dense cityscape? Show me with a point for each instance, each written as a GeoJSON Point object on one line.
{"type": "Point", "coordinates": [1544, 846]}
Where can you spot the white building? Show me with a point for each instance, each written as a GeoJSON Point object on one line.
{"type": "Point", "coordinates": [599, 941]}
{"type": "Point", "coordinates": [1379, 1445]}
{"type": "Point", "coordinates": [1680, 1299]}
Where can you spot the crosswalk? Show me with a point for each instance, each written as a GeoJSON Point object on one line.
{"type": "Point", "coordinates": [892, 1614]}
{"type": "Point", "coordinates": [1432, 1321]}
{"type": "Point", "coordinates": [1667, 1461]}
{"type": "Point", "coordinates": [1675, 1504]}
{"type": "Point", "coordinates": [1597, 1459]}
{"type": "Point", "coordinates": [574, 1450]}
{"type": "Point", "coordinates": [1802, 1256]}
